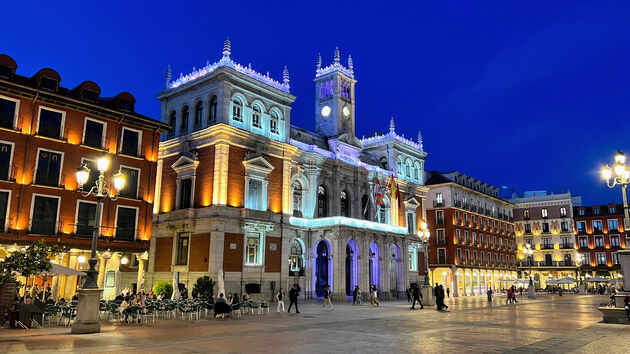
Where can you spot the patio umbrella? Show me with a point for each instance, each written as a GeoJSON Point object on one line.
{"type": "Point", "coordinates": [176, 295]}
{"type": "Point", "coordinates": [221, 282]}
{"type": "Point", "coordinates": [58, 269]}
{"type": "Point", "coordinates": [552, 282]}
{"type": "Point", "coordinates": [598, 280]}
{"type": "Point", "coordinates": [566, 280]}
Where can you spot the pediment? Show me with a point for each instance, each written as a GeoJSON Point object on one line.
{"type": "Point", "coordinates": [412, 203]}
{"type": "Point", "coordinates": [258, 164]}
{"type": "Point", "coordinates": [185, 163]}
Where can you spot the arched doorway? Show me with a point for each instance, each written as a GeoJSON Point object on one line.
{"type": "Point", "coordinates": [395, 272]}
{"type": "Point", "coordinates": [351, 266]}
{"type": "Point", "coordinates": [374, 254]}
{"type": "Point", "coordinates": [321, 268]}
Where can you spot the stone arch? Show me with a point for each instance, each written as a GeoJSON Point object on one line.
{"type": "Point", "coordinates": [322, 265]}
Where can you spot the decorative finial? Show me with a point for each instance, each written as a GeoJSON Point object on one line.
{"type": "Point", "coordinates": [336, 55]}
{"type": "Point", "coordinates": [168, 76]}
{"type": "Point", "coordinates": [350, 63]}
{"type": "Point", "coordinates": [392, 126]}
{"type": "Point", "coordinates": [285, 75]}
{"type": "Point", "coordinates": [319, 61]}
{"type": "Point", "coordinates": [420, 140]}
{"type": "Point", "coordinates": [227, 48]}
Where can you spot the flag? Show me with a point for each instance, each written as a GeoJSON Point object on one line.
{"type": "Point", "coordinates": [378, 191]}
{"type": "Point", "coordinates": [393, 187]}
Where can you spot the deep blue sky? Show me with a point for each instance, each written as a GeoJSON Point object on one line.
{"type": "Point", "coordinates": [531, 96]}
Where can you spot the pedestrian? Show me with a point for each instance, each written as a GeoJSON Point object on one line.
{"type": "Point", "coordinates": [448, 292]}
{"type": "Point", "coordinates": [626, 306]}
{"type": "Point", "coordinates": [408, 293]}
{"type": "Point", "coordinates": [489, 293]}
{"type": "Point", "coordinates": [328, 298]}
{"type": "Point", "coordinates": [374, 296]}
{"type": "Point", "coordinates": [280, 297]}
{"type": "Point", "coordinates": [439, 299]}
{"type": "Point", "coordinates": [417, 296]}
{"type": "Point", "coordinates": [355, 295]}
{"type": "Point", "coordinates": [509, 296]}
{"type": "Point", "coordinates": [294, 293]}
{"type": "Point", "coordinates": [521, 291]}
{"type": "Point", "coordinates": [514, 294]}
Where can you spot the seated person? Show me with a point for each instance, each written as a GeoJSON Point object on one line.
{"type": "Point", "coordinates": [221, 299]}
{"type": "Point", "coordinates": [221, 308]}
{"type": "Point", "coordinates": [75, 297]}
{"type": "Point", "coordinates": [230, 299]}
{"type": "Point", "coordinates": [245, 296]}
{"type": "Point", "coordinates": [61, 302]}
{"type": "Point", "coordinates": [124, 307]}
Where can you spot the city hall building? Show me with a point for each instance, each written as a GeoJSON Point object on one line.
{"type": "Point", "coordinates": [243, 191]}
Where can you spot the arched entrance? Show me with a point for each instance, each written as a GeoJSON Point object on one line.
{"type": "Point", "coordinates": [321, 268]}
{"type": "Point", "coordinates": [395, 272]}
{"type": "Point", "coordinates": [351, 266]}
{"type": "Point", "coordinates": [374, 254]}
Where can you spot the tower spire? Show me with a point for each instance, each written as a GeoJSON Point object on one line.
{"type": "Point", "coordinates": [285, 76]}
{"type": "Point", "coordinates": [168, 76]}
{"type": "Point", "coordinates": [319, 61]}
{"type": "Point", "coordinates": [420, 140]}
{"type": "Point", "coordinates": [392, 126]}
{"type": "Point", "coordinates": [336, 61]}
{"type": "Point", "coordinates": [227, 48]}
{"type": "Point", "coordinates": [350, 63]}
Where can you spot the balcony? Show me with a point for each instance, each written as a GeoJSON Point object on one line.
{"type": "Point", "coordinates": [613, 231]}
{"type": "Point", "coordinates": [584, 246]}
{"type": "Point", "coordinates": [597, 231]}
{"type": "Point", "coordinates": [474, 224]}
{"type": "Point", "coordinates": [439, 222]}
{"type": "Point", "coordinates": [473, 208]}
{"type": "Point", "coordinates": [441, 241]}
{"type": "Point", "coordinates": [466, 206]}
{"type": "Point", "coordinates": [458, 221]}
{"type": "Point", "coordinates": [582, 231]}
{"type": "Point", "coordinates": [527, 232]}
{"type": "Point", "coordinates": [458, 204]}
{"type": "Point", "coordinates": [467, 223]}
{"type": "Point", "coordinates": [438, 204]}
{"type": "Point", "coordinates": [567, 246]}
{"type": "Point", "coordinates": [546, 231]}
{"type": "Point", "coordinates": [599, 247]}
{"type": "Point", "coordinates": [546, 247]}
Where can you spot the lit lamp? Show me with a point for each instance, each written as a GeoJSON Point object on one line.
{"type": "Point", "coordinates": [87, 320]}
{"type": "Point", "coordinates": [528, 251]}
{"type": "Point", "coordinates": [424, 234]}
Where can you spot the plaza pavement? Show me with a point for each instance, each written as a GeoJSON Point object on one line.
{"type": "Point", "coordinates": [549, 324]}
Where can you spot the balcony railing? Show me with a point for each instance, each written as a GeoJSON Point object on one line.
{"type": "Point", "coordinates": [458, 203]}
{"type": "Point", "coordinates": [584, 245]}
{"type": "Point", "coordinates": [566, 246]}
{"type": "Point", "coordinates": [441, 241]}
{"type": "Point", "coordinates": [473, 208]}
{"type": "Point", "coordinates": [582, 231]}
{"type": "Point", "coordinates": [546, 247]}
{"type": "Point", "coordinates": [458, 221]}
{"type": "Point", "coordinates": [525, 264]}
{"type": "Point", "coordinates": [438, 204]}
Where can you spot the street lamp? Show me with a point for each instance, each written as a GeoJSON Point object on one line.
{"type": "Point", "coordinates": [528, 251]}
{"type": "Point", "coordinates": [89, 295]}
{"type": "Point", "coordinates": [424, 234]}
{"type": "Point", "coordinates": [620, 175]}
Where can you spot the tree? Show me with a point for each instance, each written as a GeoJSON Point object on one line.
{"type": "Point", "coordinates": [30, 260]}
{"type": "Point", "coordinates": [163, 287]}
{"type": "Point", "coordinates": [204, 287]}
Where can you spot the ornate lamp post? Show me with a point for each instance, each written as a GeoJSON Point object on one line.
{"type": "Point", "coordinates": [527, 250]}
{"type": "Point", "coordinates": [424, 234]}
{"type": "Point", "coordinates": [89, 295]}
{"type": "Point", "coordinates": [619, 175]}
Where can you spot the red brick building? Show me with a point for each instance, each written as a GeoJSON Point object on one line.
{"type": "Point", "coordinates": [46, 133]}
{"type": "Point", "coordinates": [599, 236]}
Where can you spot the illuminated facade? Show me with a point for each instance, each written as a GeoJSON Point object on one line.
{"type": "Point", "coordinates": [599, 235]}
{"type": "Point", "coordinates": [545, 221]}
{"type": "Point", "coordinates": [46, 133]}
{"type": "Point", "coordinates": [242, 190]}
{"type": "Point", "coordinates": [472, 247]}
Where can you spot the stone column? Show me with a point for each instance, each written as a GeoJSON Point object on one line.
{"type": "Point", "coordinates": [455, 282]}
{"type": "Point", "coordinates": [71, 281]}
{"type": "Point", "coordinates": [215, 256]}
{"type": "Point", "coordinates": [101, 271]}
{"type": "Point", "coordinates": [54, 290]}
{"type": "Point", "coordinates": [286, 189]}
{"type": "Point", "coordinates": [220, 182]}
{"type": "Point", "coordinates": [141, 266]}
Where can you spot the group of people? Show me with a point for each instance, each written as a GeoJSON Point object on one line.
{"type": "Point", "coordinates": [511, 295]}
{"type": "Point", "coordinates": [294, 294]}
{"type": "Point", "coordinates": [33, 292]}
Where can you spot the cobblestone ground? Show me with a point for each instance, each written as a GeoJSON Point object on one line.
{"type": "Point", "coordinates": [549, 324]}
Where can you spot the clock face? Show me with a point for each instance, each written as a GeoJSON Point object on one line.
{"type": "Point", "coordinates": [346, 111]}
{"type": "Point", "coordinates": [325, 111]}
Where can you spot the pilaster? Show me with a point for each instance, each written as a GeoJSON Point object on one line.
{"type": "Point", "coordinates": [220, 182]}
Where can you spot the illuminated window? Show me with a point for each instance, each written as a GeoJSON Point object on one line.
{"type": "Point", "coordinates": [253, 249]}
{"type": "Point", "coordinates": [599, 241]}
{"type": "Point", "coordinates": [345, 204]}
{"type": "Point", "coordinates": [526, 214]}
{"type": "Point", "coordinates": [597, 226]}
{"type": "Point", "coordinates": [601, 258]}
{"type": "Point", "coordinates": [183, 240]}
{"type": "Point", "coordinates": [563, 212]}
{"type": "Point", "coordinates": [614, 241]}
{"type": "Point", "coordinates": [581, 226]}
{"type": "Point", "coordinates": [273, 123]}
{"type": "Point", "coordinates": [413, 259]}
{"type": "Point", "coordinates": [615, 258]}
{"type": "Point", "coordinates": [254, 199]}
{"type": "Point", "coordinates": [583, 240]}
{"type": "Point", "coordinates": [544, 213]}
{"type": "Point", "coordinates": [237, 110]}
{"type": "Point", "coordinates": [613, 225]}
{"type": "Point", "coordinates": [296, 256]}
{"type": "Point", "coordinates": [322, 202]}
{"type": "Point", "coordinates": [256, 117]}
{"type": "Point", "coordinates": [411, 223]}
{"type": "Point", "coordinates": [297, 199]}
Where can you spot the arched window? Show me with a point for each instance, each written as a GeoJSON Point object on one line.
{"type": "Point", "coordinates": [544, 213]}
{"type": "Point", "coordinates": [198, 114]}
{"type": "Point", "coordinates": [416, 171]}
{"type": "Point", "coordinates": [399, 168]}
{"type": "Point", "coordinates": [273, 123]}
{"type": "Point", "coordinates": [256, 117]}
{"type": "Point", "coordinates": [365, 207]}
{"type": "Point", "coordinates": [237, 110]}
{"type": "Point", "coordinates": [322, 203]}
{"type": "Point", "coordinates": [408, 169]}
{"type": "Point", "coordinates": [384, 163]}
{"type": "Point", "coordinates": [526, 214]}
{"type": "Point", "coordinates": [296, 255]}
{"type": "Point", "coordinates": [563, 211]}
{"type": "Point", "coordinates": [297, 199]}
{"type": "Point", "coordinates": [172, 121]}
{"type": "Point", "coordinates": [213, 110]}
{"type": "Point", "coordinates": [383, 212]}
{"type": "Point", "coordinates": [184, 123]}
{"type": "Point", "coordinates": [345, 204]}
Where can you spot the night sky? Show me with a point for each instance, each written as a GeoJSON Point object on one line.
{"type": "Point", "coordinates": [527, 95]}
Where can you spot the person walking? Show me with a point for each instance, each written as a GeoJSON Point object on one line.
{"type": "Point", "coordinates": [440, 298]}
{"type": "Point", "coordinates": [280, 297]}
{"type": "Point", "coordinates": [408, 293]}
{"type": "Point", "coordinates": [417, 296]}
{"type": "Point", "coordinates": [355, 292]}
{"type": "Point", "coordinates": [327, 298]}
{"type": "Point", "coordinates": [489, 293]}
{"type": "Point", "coordinates": [514, 294]}
{"type": "Point", "coordinates": [294, 293]}
{"type": "Point", "coordinates": [509, 296]}
{"type": "Point", "coordinates": [626, 306]}
{"type": "Point", "coordinates": [448, 292]}
{"type": "Point", "coordinates": [374, 296]}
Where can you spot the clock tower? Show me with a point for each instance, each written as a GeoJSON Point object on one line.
{"type": "Point", "coordinates": [334, 98]}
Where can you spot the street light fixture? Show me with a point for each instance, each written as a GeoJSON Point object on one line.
{"type": "Point", "coordinates": [89, 295]}
{"type": "Point", "coordinates": [424, 234]}
{"type": "Point", "coordinates": [528, 251]}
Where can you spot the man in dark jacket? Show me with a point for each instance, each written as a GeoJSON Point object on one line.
{"type": "Point", "coordinates": [417, 296]}
{"type": "Point", "coordinates": [294, 293]}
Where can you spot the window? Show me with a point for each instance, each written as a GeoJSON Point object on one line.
{"type": "Point", "coordinates": [198, 114]}
{"type": "Point", "coordinates": [416, 171]}
{"type": "Point", "coordinates": [413, 259]}
{"type": "Point", "coordinates": [254, 198]}
{"type": "Point", "coordinates": [94, 173]}
{"type": "Point", "coordinates": [599, 241]}
{"type": "Point", "coordinates": [6, 72]}
{"type": "Point", "coordinates": [183, 127]}
{"type": "Point", "coordinates": [50, 123]}
{"type": "Point", "coordinates": [296, 252]}
{"type": "Point", "coordinates": [297, 199]}
{"type": "Point", "coordinates": [614, 241]}
{"type": "Point", "coordinates": [125, 105]}
{"type": "Point", "coordinates": [86, 219]}
{"type": "Point", "coordinates": [132, 177]}
{"type": "Point", "coordinates": [273, 123]}
{"type": "Point", "coordinates": [545, 227]}
{"type": "Point", "coordinates": [595, 211]}
{"type": "Point", "coordinates": [468, 254]}
{"type": "Point", "coordinates": [130, 144]}
{"type": "Point", "coordinates": [8, 112]}
{"type": "Point", "coordinates": [411, 224]}
{"type": "Point", "coordinates": [183, 239]}
{"type": "Point", "coordinates": [6, 159]}
{"type": "Point", "coordinates": [528, 228]}
{"type": "Point", "coordinates": [44, 215]}
{"type": "Point", "coordinates": [564, 226]}
{"type": "Point", "coordinates": [458, 236]}
{"type": "Point", "coordinates": [365, 209]}
{"type": "Point", "coordinates": [441, 256]}
{"type": "Point", "coordinates": [586, 258]}
{"type": "Point", "coordinates": [612, 210]}
{"type": "Point", "coordinates": [581, 226]}
{"type": "Point", "coordinates": [185, 193]}
{"type": "Point", "coordinates": [89, 95]}
{"type": "Point", "coordinates": [581, 212]}
{"type": "Point", "coordinates": [213, 110]}
{"type": "Point", "coordinates": [601, 258]}
{"type": "Point", "coordinates": [439, 217]}
{"type": "Point", "coordinates": [441, 238]}
{"type": "Point", "coordinates": [253, 249]}
{"type": "Point", "coordinates": [94, 133]}
{"type": "Point", "coordinates": [439, 199]}
{"type": "Point", "coordinates": [172, 121]}
{"type": "Point", "coordinates": [256, 117]}
{"type": "Point", "coordinates": [583, 240]}
{"type": "Point", "coordinates": [48, 170]}
{"type": "Point", "coordinates": [481, 257]}
{"type": "Point", "coordinates": [459, 255]}
{"type": "Point", "coordinates": [544, 213]}
{"type": "Point", "coordinates": [615, 258]}
{"type": "Point", "coordinates": [237, 110]}
{"type": "Point", "coordinates": [563, 212]}
{"type": "Point", "coordinates": [322, 203]}
{"type": "Point", "coordinates": [597, 226]}
{"type": "Point", "coordinates": [475, 255]}
{"type": "Point", "coordinates": [466, 236]}
{"type": "Point", "coordinates": [4, 208]}
{"type": "Point", "coordinates": [613, 225]}
{"type": "Point", "coordinates": [126, 223]}
{"type": "Point", "coordinates": [526, 214]}
{"type": "Point", "coordinates": [345, 204]}
{"type": "Point", "coordinates": [48, 84]}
